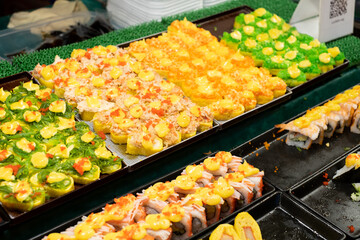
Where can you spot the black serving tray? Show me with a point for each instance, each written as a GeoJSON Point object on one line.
{"type": "Point", "coordinates": [267, 190]}
{"type": "Point", "coordinates": [15, 217]}
{"type": "Point", "coordinates": [331, 202]}
{"type": "Point", "coordinates": [280, 217]}
{"type": "Point", "coordinates": [286, 165]}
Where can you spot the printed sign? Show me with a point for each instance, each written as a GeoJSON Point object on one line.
{"type": "Point", "coordinates": [324, 19]}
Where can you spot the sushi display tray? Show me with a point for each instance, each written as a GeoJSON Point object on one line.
{"type": "Point", "coordinates": [331, 200]}
{"type": "Point", "coordinates": [15, 217]}
{"type": "Point", "coordinates": [223, 22]}
{"type": "Point", "coordinates": [268, 189]}
{"type": "Point", "coordinates": [281, 217]}
{"type": "Point", "coordinates": [286, 166]}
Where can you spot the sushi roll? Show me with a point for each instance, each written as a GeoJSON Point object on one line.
{"type": "Point", "coordinates": [227, 192]}
{"type": "Point", "coordinates": [280, 46]}
{"type": "Point", "coordinates": [243, 186]}
{"type": "Point", "coordinates": [302, 132]}
{"type": "Point", "coordinates": [184, 184]}
{"type": "Point", "coordinates": [226, 109]}
{"type": "Point", "coordinates": [324, 61]}
{"type": "Point", "coordinates": [215, 167]}
{"type": "Point", "coordinates": [275, 64]}
{"type": "Point", "coordinates": [131, 232]}
{"type": "Point", "coordinates": [338, 56]}
{"type": "Point", "coordinates": [294, 56]}
{"type": "Point", "coordinates": [180, 218]}
{"type": "Point", "coordinates": [254, 175]}
{"type": "Point", "coordinates": [212, 203]}
{"type": "Point", "coordinates": [262, 54]}
{"type": "Point", "coordinates": [20, 195]}
{"type": "Point", "coordinates": [81, 169]}
{"type": "Point", "coordinates": [262, 13]}
{"type": "Point", "coordinates": [355, 125]}
{"type": "Point", "coordinates": [198, 174]}
{"type": "Point", "coordinates": [198, 217]}
{"type": "Point", "coordinates": [232, 162]}
{"type": "Point", "coordinates": [158, 227]}
{"type": "Point", "coordinates": [122, 213]}
{"type": "Point", "coordinates": [232, 39]}
{"type": "Point", "coordinates": [92, 226]}
{"type": "Point", "coordinates": [143, 144]}
{"type": "Point", "coordinates": [245, 20]}
{"type": "Point", "coordinates": [248, 46]}
{"type": "Point", "coordinates": [311, 70]}
{"type": "Point", "coordinates": [293, 76]}
{"type": "Point", "coordinates": [55, 183]}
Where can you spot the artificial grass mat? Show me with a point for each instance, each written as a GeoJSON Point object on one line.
{"type": "Point", "coordinates": [283, 8]}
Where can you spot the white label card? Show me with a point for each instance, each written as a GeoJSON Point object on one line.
{"type": "Point", "coordinates": [324, 19]}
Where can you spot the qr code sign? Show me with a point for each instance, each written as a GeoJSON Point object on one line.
{"type": "Point", "coordinates": [338, 8]}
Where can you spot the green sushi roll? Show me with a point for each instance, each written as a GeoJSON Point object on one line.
{"type": "Point", "coordinates": [293, 76]}
{"type": "Point", "coordinates": [307, 50]}
{"type": "Point", "coordinates": [249, 46]}
{"type": "Point", "coordinates": [264, 25]}
{"type": "Point", "coordinates": [230, 41]}
{"type": "Point", "coordinates": [324, 61]}
{"type": "Point", "coordinates": [281, 47]}
{"type": "Point", "coordinates": [276, 63]}
{"type": "Point", "coordinates": [292, 41]}
{"type": "Point", "coordinates": [311, 70]}
{"type": "Point", "coordinates": [294, 56]}
{"type": "Point", "coordinates": [245, 20]}
{"type": "Point", "coordinates": [338, 56]}
{"type": "Point", "coordinates": [262, 13]}
{"type": "Point", "coordinates": [262, 54]}
{"type": "Point", "coordinates": [275, 33]}
{"type": "Point", "coordinates": [249, 31]}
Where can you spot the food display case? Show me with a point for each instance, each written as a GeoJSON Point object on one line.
{"type": "Point", "coordinates": [294, 204]}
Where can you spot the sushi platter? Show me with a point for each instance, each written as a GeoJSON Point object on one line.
{"type": "Point", "coordinates": [137, 92]}
{"type": "Point", "coordinates": [330, 198]}
{"type": "Point", "coordinates": [267, 190]}
{"type": "Point", "coordinates": [16, 216]}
